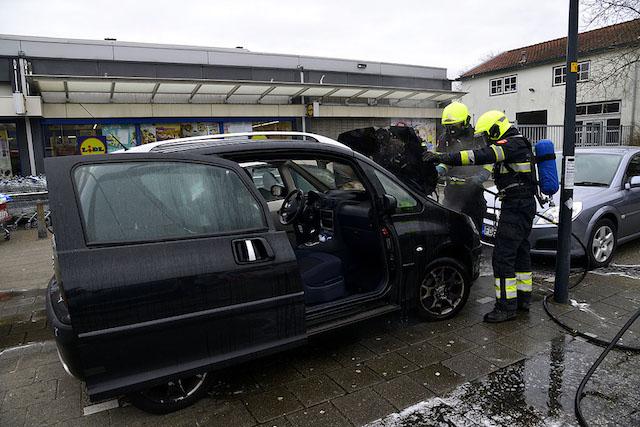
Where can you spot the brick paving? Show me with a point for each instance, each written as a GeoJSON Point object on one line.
{"type": "Point", "coordinates": [348, 377]}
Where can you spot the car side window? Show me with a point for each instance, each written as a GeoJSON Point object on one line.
{"type": "Point", "coordinates": [634, 168]}
{"type": "Point", "coordinates": [265, 177]}
{"type": "Point", "coordinates": [137, 201]}
{"type": "Point", "coordinates": [333, 175]}
{"type": "Point", "coordinates": [406, 203]}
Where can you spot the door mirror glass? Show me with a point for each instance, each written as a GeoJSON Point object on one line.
{"type": "Point", "coordinates": [277, 191]}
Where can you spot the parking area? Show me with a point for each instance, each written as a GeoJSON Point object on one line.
{"type": "Point", "coordinates": [388, 371]}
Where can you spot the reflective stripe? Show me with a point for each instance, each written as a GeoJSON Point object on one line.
{"type": "Point", "coordinates": [499, 152]}
{"type": "Point", "coordinates": [472, 157]}
{"type": "Point", "coordinates": [457, 182]}
{"type": "Point", "coordinates": [489, 167]}
{"type": "Point", "coordinates": [464, 157]}
{"type": "Point", "coordinates": [511, 288]}
{"type": "Point", "coordinates": [443, 166]}
{"type": "Point", "coordinates": [524, 282]}
{"type": "Point", "coordinates": [517, 167]}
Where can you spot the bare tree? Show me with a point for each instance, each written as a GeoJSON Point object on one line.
{"type": "Point", "coordinates": [607, 12]}
{"type": "Point", "coordinates": [614, 73]}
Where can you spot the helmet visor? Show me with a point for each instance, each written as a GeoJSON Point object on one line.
{"type": "Point", "coordinates": [454, 130]}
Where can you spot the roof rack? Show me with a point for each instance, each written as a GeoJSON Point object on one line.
{"type": "Point", "coordinates": [205, 140]}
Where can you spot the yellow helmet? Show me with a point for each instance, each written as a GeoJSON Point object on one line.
{"type": "Point", "coordinates": [455, 113]}
{"type": "Point", "coordinates": [492, 124]}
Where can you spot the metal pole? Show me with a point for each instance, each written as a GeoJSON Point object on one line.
{"type": "Point", "coordinates": [563, 260]}
{"type": "Point", "coordinates": [42, 227]}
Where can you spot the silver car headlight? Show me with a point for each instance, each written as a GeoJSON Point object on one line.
{"type": "Point", "coordinates": [554, 214]}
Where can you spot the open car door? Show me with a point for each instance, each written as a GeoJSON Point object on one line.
{"type": "Point", "coordinates": [170, 265]}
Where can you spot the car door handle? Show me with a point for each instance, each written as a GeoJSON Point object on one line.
{"type": "Point", "coordinates": [255, 249]}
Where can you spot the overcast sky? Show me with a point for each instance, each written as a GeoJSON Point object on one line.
{"type": "Point", "coordinates": [422, 32]}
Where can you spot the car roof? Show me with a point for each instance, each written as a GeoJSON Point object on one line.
{"type": "Point", "coordinates": [242, 142]}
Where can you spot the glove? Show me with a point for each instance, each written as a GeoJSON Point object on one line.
{"type": "Point", "coordinates": [441, 171]}
{"type": "Point", "coordinates": [431, 157]}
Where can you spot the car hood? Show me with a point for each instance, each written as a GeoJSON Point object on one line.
{"type": "Point", "coordinates": [580, 193]}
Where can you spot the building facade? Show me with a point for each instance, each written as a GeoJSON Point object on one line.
{"type": "Point", "coordinates": [54, 93]}
{"type": "Point", "coordinates": [528, 84]}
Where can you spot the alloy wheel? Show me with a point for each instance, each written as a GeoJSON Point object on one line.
{"type": "Point", "coordinates": [441, 290]}
{"type": "Point", "coordinates": [175, 391]}
{"type": "Point", "coordinates": [603, 243]}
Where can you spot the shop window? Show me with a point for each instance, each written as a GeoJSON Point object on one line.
{"type": "Point", "coordinates": [62, 140]}
{"type": "Point", "coordinates": [9, 151]}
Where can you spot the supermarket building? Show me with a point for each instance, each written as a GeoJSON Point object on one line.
{"type": "Point", "coordinates": [55, 93]}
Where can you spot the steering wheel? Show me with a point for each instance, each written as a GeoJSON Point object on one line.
{"type": "Point", "coordinates": [292, 207]}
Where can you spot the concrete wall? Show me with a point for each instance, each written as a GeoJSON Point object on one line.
{"type": "Point", "coordinates": [545, 96]}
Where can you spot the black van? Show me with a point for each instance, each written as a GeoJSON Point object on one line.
{"type": "Point", "coordinates": [179, 258]}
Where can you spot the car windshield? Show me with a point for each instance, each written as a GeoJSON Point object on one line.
{"type": "Point", "coordinates": [593, 169]}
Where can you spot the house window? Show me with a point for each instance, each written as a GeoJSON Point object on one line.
{"type": "Point", "coordinates": [598, 108]}
{"type": "Point", "coordinates": [560, 73]}
{"type": "Point", "coordinates": [503, 85]}
{"type": "Point", "coordinates": [496, 86]}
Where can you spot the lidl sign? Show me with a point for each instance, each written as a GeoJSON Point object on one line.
{"type": "Point", "coordinates": [92, 145]}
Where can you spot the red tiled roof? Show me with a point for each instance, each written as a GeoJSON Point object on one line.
{"type": "Point", "coordinates": [614, 35]}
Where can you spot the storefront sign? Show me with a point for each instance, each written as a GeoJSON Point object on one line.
{"type": "Point", "coordinates": [92, 145]}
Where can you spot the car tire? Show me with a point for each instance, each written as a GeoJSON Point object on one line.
{"type": "Point", "coordinates": [172, 396]}
{"type": "Point", "coordinates": [602, 243]}
{"type": "Point", "coordinates": [443, 290]}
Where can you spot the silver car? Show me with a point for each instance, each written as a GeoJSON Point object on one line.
{"type": "Point", "coordinates": [606, 206]}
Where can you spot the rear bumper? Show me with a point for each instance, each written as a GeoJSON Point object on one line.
{"type": "Point", "coordinates": [66, 339]}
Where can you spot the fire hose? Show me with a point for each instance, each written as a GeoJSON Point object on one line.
{"type": "Point", "coordinates": [609, 345]}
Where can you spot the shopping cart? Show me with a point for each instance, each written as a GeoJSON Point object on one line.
{"type": "Point", "coordinates": [24, 193]}
{"type": "Point", "coordinates": [4, 215]}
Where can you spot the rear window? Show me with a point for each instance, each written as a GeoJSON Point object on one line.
{"type": "Point", "coordinates": [156, 200]}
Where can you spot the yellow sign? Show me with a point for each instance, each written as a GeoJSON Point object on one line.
{"type": "Point", "coordinates": [310, 110]}
{"type": "Point", "coordinates": [92, 145]}
{"type": "Point", "coordinates": [574, 67]}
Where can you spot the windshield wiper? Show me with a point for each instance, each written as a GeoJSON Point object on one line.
{"type": "Point", "coordinates": [592, 184]}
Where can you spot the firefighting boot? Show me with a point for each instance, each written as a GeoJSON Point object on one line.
{"type": "Point", "coordinates": [497, 315]}
{"type": "Point", "coordinates": [524, 305]}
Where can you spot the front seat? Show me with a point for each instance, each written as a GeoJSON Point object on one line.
{"type": "Point", "coordinates": [321, 276]}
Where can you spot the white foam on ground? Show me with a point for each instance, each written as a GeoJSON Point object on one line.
{"type": "Point", "coordinates": [631, 271]}
{"type": "Point", "coordinates": [583, 306]}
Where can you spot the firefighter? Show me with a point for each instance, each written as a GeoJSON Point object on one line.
{"type": "Point", "coordinates": [512, 156]}
{"type": "Point", "coordinates": [464, 192]}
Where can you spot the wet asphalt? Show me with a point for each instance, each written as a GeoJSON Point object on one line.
{"type": "Point", "coordinates": [386, 372]}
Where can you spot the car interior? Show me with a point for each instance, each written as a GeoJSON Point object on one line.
{"type": "Point", "coordinates": [327, 214]}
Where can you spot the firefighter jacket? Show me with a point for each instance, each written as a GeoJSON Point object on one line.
{"type": "Point", "coordinates": [447, 144]}
{"type": "Point", "coordinates": [513, 162]}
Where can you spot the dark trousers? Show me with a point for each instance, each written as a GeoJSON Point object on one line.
{"type": "Point", "coordinates": [511, 254]}
{"type": "Point", "coordinates": [468, 199]}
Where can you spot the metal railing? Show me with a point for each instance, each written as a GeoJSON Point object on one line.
{"type": "Point", "coordinates": [589, 135]}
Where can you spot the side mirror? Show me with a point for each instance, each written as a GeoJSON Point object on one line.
{"type": "Point", "coordinates": [389, 204]}
{"type": "Point", "coordinates": [277, 190]}
{"type": "Point", "coordinates": [633, 183]}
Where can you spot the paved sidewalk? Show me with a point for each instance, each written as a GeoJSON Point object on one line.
{"type": "Point", "coordinates": [461, 372]}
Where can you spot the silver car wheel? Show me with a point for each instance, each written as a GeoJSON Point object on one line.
{"type": "Point", "coordinates": [603, 242]}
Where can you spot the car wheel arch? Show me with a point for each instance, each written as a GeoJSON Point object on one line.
{"type": "Point", "coordinates": [605, 212]}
